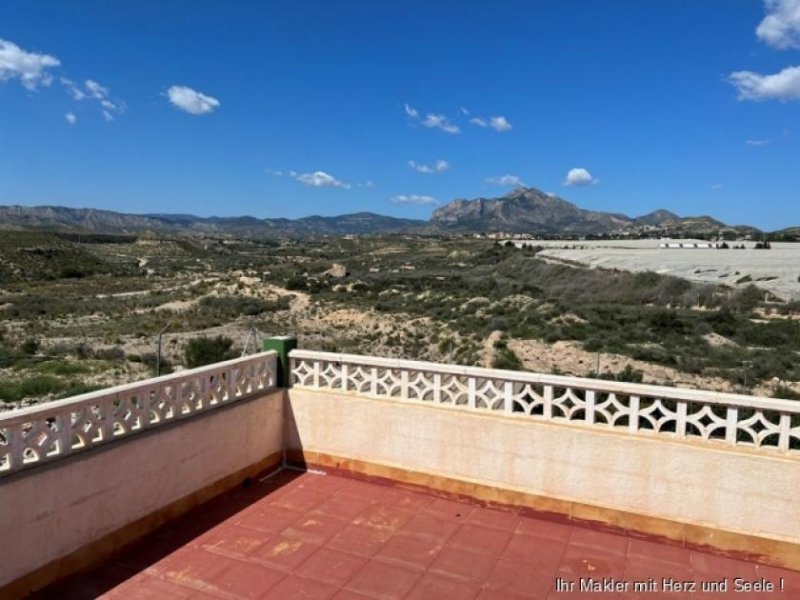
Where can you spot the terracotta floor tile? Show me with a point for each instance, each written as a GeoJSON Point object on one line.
{"type": "Point", "coordinates": [180, 558]}
{"type": "Point", "coordinates": [282, 553]}
{"type": "Point", "coordinates": [154, 589]}
{"type": "Point", "coordinates": [494, 594]}
{"type": "Point", "coordinates": [594, 596]}
{"type": "Point", "coordinates": [183, 530]}
{"type": "Point", "coordinates": [791, 579]}
{"type": "Point", "coordinates": [146, 553]}
{"type": "Point", "coordinates": [711, 566]}
{"type": "Point", "coordinates": [345, 507]}
{"type": "Point", "coordinates": [331, 566]}
{"type": "Point", "coordinates": [526, 547]}
{"type": "Point", "coordinates": [298, 500]}
{"type": "Point", "coordinates": [382, 517]}
{"type": "Point", "coordinates": [453, 509]}
{"type": "Point", "coordinates": [494, 518]}
{"type": "Point", "coordinates": [431, 525]}
{"type": "Point", "coordinates": [360, 539]}
{"type": "Point", "coordinates": [515, 578]}
{"type": "Point", "coordinates": [662, 553]}
{"type": "Point", "coordinates": [247, 580]}
{"type": "Point", "coordinates": [300, 588]}
{"type": "Point", "coordinates": [642, 569]}
{"type": "Point", "coordinates": [383, 581]}
{"type": "Point", "coordinates": [350, 595]}
{"type": "Point", "coordinates": [267, 519]}
{"type": "Point", "coordinates": [405, 499]}
{"type": "Point", "coordinates": [196, 568]}
{"type": "Point", "coordinates": [325, 536]}
{"type": "Point", "coordinates": [226, 510]}
{"type": "Point", "coordinates": [481, 539]}
{"type": "Point", "coordinates": [315, 527]}
{"type": "Point", "coordinates": [608, 542]}
{"type": "Point", "coordinates": [107, 580]}
{"type": "Point", "coordinates": [439, 587]}
{"type": "Point", "coordinates": [230, 540]}
{"type": "Point", "coordinates": [325, 484]}
{"type": "Point", "coordinates": [582, 561]}
{"type": "Point", "coordinates": [410, 551]}
{"type": "Point", "coordinates": [363, 489]}
{"type": "Point", "coordinates": [549, 530]}
{"type": "Point", "coordinates": [463, 564]}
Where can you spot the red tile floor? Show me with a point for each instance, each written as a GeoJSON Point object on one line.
{"type": "Point", "coordinates": [306, 536]}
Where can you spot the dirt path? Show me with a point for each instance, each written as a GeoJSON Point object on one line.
{"type": "Point", "coordinates": [488, 353]}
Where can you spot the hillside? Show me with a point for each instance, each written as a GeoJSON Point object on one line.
{"type": "Point", "coordinates": [524, 211]}
{"type": "Point", "coordinates": [60, 218]}
{"type": "Point", "coordinates": [528, 210]}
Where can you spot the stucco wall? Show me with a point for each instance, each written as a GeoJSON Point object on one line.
{"type": "Point", "coordinates": [735, 490]}
{"type": "Point", "coordinates": [50, 511]}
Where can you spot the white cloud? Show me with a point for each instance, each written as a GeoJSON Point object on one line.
{"type": "Point", "coordinates": [91, 90]}
{"type": "Point", "coordinates": [29, 67]}
{"type": "Point", "coordinates": [781, 27]}
{"type": "Point", "coordinates": [75, 91]}
{"type": "Point", "coordinates": [439, 166]}
{"type": "Point", "coordinates": [498, 123]}
{"type": "Point", "coordinates": [464, 111]}
{"type": "Point", "coordinates": [505, 180]}
{"type": "Point", "coordinates": [436, 121]}
{"type": "Point", "coordinates": [367, 184]}
{"type": "Point", "coordinates": [275, 172]}
{"type": "Point", "coordinates": [579, 176]}
{"type": "Point", "coordinates": [97, 91]}
{"type": "Point", "coordinates": [716, 186]}
{"type": "Point", "coordinates": [191, 101]}
{"type": "Point", "coordinates": [70, 118]}
{"type": "Point", "coordinates": [320, 179]}
{"type": "Point", "coordinates": [757, 142]}
{"type": "Point", "coordinates": [755, 86]}
{"type": "Point", "coordinates": [433, 120]}
{"type": "Point", "coordinates": [413, 199]}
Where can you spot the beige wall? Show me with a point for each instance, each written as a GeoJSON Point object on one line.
{"type": "Point", "coordinates": [50, 511]}
{"type": "Point", "coordinates": [736, 490]}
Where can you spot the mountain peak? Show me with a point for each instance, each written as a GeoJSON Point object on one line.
{"type": "Point", "coordinates": [527, 210]}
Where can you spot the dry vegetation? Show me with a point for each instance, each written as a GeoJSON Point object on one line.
{"type": "Point", "coordinates": [83, 312]}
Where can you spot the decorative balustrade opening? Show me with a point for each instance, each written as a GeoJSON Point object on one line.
{"type": "Point", "coordinates": [53, 430]}
{"type": "Point", "coordinates": [732, 419]}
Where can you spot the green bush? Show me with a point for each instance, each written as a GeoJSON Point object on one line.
{"type": "Point", "coordinates": [58, 367]}
{"type": "Point", "coordinates": [30, 346]}
{"type": "Point", "coordinates": [785, 392]}
{"type": "Point", "coordinates": [205, 351]}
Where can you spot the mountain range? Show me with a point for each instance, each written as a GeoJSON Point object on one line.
{"type": "Point", "coordinates": [524, 210]}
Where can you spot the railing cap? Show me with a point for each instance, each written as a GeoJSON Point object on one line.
{"type": "Point", "coordinates": [12, 417]}
{"type": "Point", "coordinates": [601, 385]}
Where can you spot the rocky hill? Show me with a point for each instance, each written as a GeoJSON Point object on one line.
{"type": "Point", "coordinates": [60, 218]}
{"type": "Point", "coordinates": [528, 210]}
{"type": "Point", "coordinates": [524, 210]}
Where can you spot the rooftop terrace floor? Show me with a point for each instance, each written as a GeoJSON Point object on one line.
{"type": "Point", "coordinates": [310, 536]}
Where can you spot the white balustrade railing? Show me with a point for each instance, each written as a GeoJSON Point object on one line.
{"type": "Point", "coordinates": [676, 413]}
{"type": "Point", "coordinates": [52, 430]}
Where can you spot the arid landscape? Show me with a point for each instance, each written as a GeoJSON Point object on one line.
{"type": "Point", "coordinates": [81, 312]}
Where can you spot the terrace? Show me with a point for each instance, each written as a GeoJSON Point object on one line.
{"type": "Point", "coordinates": [298, 474]}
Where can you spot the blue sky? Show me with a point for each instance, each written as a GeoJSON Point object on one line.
{"type": "Point", "coordinates": [286, 109]}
